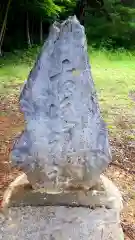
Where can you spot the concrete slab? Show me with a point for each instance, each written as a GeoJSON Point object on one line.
{"type": "Point", "coordinates": [61, 223]}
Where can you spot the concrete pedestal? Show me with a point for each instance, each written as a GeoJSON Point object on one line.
{"type": "Point", "coordinates": [61, 223]}
{"type": "Point", "coordinates": [70, 216]}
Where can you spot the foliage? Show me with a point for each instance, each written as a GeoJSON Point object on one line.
{"type": "Point", "coordinates": [109, 23]}
{"type": "Point", "coordinates": [35, 11]}
{"type": "Point", "coordinates": [113, 25]}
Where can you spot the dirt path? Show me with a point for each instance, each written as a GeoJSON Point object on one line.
{"type": "Point", "coordinates": [122, 171]}
{"type": "Point", "coordinates": [11, 123]}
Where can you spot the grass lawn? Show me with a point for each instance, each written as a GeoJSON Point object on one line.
{"type": "Point", "coordinates": [113, 73]}
{"type": "Point", "coordinates": [114, 76]}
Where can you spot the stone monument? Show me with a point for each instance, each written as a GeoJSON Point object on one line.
{"type": "Point", "coordinates": [63, 150]}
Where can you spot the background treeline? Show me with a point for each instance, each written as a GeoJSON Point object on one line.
{"type": "Point", "coordinates": [109, 23]}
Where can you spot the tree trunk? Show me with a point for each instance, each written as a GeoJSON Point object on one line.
{"type": "Point", "coordinates": [28, 31]}
{"type": "Point", "coordinates": [41, 31]}
{"type": "Point", "coordinates": [3, 29]}
{"type": "Point", "coordinates": [2, 40]}
{"type": "Point", "coordinates": [80, 10]}
{"type": "Point", "coordinates": [32, 30]}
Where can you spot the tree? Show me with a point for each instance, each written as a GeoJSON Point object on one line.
{"type": "Point", "coordinates": [3, 28]}
{"type": "Point", "coordinates": [80, 10]}
{"type": "Point", "coordinates": [33, 22]}
{"type": "Point", "coordinates": [26, 22]}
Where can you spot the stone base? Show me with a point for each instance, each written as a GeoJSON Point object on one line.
{"type": "Point", "coordinates": [61, 223]}
{"type": "Point", "coordinates": [74, 215]}
{"type": "Point", "coordinates": [104, 194]}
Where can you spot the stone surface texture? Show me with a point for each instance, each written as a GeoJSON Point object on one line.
{"type": "Point", "coordinates": [61, 223]}
{"type": "Point", "coordinates": [63, 150]}
{"type": "Point", "coordinates": [103, 194]}
{"type": "Point", "coordinates": [65, 141]}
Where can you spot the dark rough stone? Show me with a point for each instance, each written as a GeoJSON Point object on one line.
{"type": "Point", "coordinates": [65, 140]}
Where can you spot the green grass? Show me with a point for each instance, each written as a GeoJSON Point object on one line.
{"type": "Point", "coordinates": [113, 73]}
{"type": "Point", "coordinates": [14, 69]}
